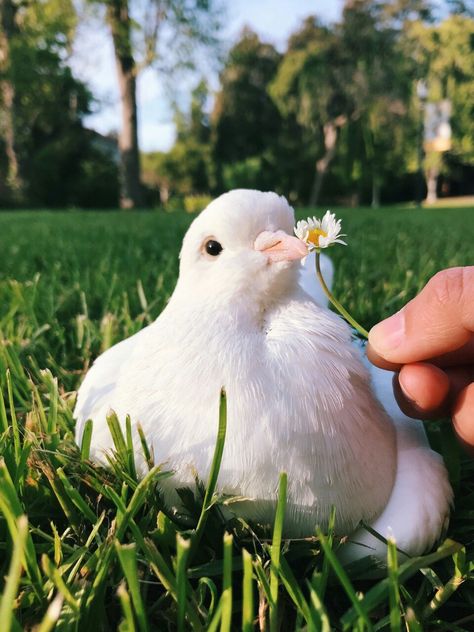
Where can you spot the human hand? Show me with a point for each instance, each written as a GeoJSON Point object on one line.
{"type": "Point", "coordinates": [430, 343]}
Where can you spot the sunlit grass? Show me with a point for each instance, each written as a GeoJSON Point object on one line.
{"type": "Point", "coordinates": [98, 550]}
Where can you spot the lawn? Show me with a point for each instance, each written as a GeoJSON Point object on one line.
{"type": "Point", "coordinates": [99, 550]}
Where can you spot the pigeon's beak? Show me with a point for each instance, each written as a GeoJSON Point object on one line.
{"type": "Point", "coordinates": [279, 246]}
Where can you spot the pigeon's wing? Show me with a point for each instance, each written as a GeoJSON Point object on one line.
{"type": "Point", "coordinates": [309, 281]}
{"type": "Point", "coordinates": [418, 509]}
{"type": "Point", "coordinates": [419, 505]}
{"type": "Point", "coordinates": [96, 392]}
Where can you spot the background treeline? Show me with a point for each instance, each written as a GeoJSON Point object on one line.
{"type": "Point", "coordinates": [47, 157]}
{"type": "Point", "coordinates": [334, 118]}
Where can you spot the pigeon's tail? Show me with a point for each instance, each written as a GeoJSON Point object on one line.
{"type": "Point", "coordinates": [309, 281]}
{"type": "Point", "coordinates": [417, 512]}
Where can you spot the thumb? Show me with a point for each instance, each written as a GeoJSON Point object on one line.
{"type": "Point", "coordinates": [439, 320]}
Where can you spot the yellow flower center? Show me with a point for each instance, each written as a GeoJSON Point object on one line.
{"type": "Point", "coordinates": [315, 234]}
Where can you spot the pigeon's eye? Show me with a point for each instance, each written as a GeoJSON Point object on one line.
{"type": "Point", "coordinates": [213, 247]}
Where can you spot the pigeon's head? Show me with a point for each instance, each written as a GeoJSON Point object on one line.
{"type": "Point", "coordinates": [241, 246]}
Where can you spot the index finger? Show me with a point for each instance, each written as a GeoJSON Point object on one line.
{"type": "Point", "coordinates": [462, 356]}
{"type": "Point", "coordinates": [437, 321]}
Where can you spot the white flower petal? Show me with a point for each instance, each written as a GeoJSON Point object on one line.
{"type": "Point", "coordinates": [328, 224]}
{"type": "Point", "coordinates": [301, 230]}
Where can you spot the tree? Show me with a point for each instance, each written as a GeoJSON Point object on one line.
{"type": "Point", "coordinates": [311, 84]}
{"type": "Point", "coordinates": [336, 115]}
{"type": "Point", "coordinates": [187, 168]}
{"type": "Point", "coordinates": [118, 18]}
{"type": "Point", "coordinates": [168, 30]}
{"type": "Point", "coordinates": [192, 153]}
{"type": "Point", "coordinates": [248, 70]}
{"type": "Point", "coordinates": [58, 162]}
{"type": "Point", "coordinates": [349, 86]}
{"type": "Point", "coordinates": [8, 33]}
{"type": "Point", "coordinates": [379, 88]}
{"type": "Point", "coordinates": [444, 54]}
{"type": "Point", "coordinates": [247, 126]}
{"type": "Point", "coordinates": [462, 7]}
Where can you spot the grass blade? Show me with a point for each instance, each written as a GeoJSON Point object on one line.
{"type": "Point", "coordinates": [76, 497]}
{"type": "Point", "coordinates": [14, 573]}
{"type": "Point", "coordinates": [126, 604]}
{"type": "Point", "coordinates": [276, 551]}
{"type": "Point", "coordinates": [444, 592]}
{"type": "Point", "coordinates": [67, 505]}
{"type": "Point", "coordinates": [130, 452]}
{"type": "Point", "coordinates": [263, 581]}
{"type": "Point", "coordinates": [12, 509]}
{"type": "Point", "coordinates": [213, 474]}
{"type": "Point", "coordinates": [214, 623]}
{"type": "Point", "coordinates": [14, 422]}
{"type": "Point", "coordinates": [247, 593]}
{"type": "Point", "coordinates": [53, 406]}
{"type": "Point", "coordinates": [3, 414]}
{"type": "Point", "coordinates": [146, 450]}
{"type": "Point", "coordinates": [344, 580]}
{"type": "Point", "coordinates": [321, 581]}
{"type": "Point", "coordinates": [206, 585]}
{"type": "Point", "coordinates": [117, 436]}
{"type": "Point", "coordinates": [226, 597]}
{"type": "Point", "coordinates": [183, 547]}
{"type": "Point", "coordinates": [55, 576]}
{"type": "Point", "coordinates": [91, 537]}
{"type": "Point", "coordinates": [318, 611]}
{"type": "Point", "coordinates": [393, 592]}
{"type": "Point", "coordinates": [127, 555]}
{"type": "Point", "coordinates": [294, 591]}
{"type": "Point", "coordinates": [86, 439]}
{"type": "Point", "coordinates": [168, 579]}
{"type": "Point", "coordinates": [52, 615]}
{"type": "Point", "coordinates": [378, 593]}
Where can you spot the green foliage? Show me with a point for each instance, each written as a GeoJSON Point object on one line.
{"type": "Point", "coordinates": [243, 174]}
{"type": "Point", "coordinates": [60, 160]}
{"type": "Point", "coordinates": [98, 550]}
{"type": "Point", "coordinates": [340, 102]}
{"type": "Point", "coordinates": [253, 145]}
{"type": "Point", "coordinates": [245, 118]}
{"type": "Point", "coordinates": [313, 76]}
{"type": "Point", "coordinates": [196, 203]}
{"type": "Point", "coordinates": [449, 51]}
{"type": "Point", "coordinates": [187, 168]}
{"type": "Point", "coordinates": [230, 149]}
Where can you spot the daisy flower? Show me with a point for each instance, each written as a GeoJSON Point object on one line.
{"type": "Point", "coordinates": [320, 233]}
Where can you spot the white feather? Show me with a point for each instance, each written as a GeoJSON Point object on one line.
{"type": "Point", "coordinates": [299, 395]}
{"type": "Point", "coordinates": [309, 281]}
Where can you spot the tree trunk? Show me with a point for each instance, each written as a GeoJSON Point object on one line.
{"type": "Point", "coordinates": [432, 185]}
{"type": "Point", "coordinates": [322, 165]}
{"type": "Point", "coordinates": [375, 192]}
{"type": "Point", "coordinates": [8, 30]}
{"type": "Point", "coordinates": [130, 187]}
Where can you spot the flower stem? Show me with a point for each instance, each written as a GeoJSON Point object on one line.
{"type": "Point", "coordinates": [335, 302]}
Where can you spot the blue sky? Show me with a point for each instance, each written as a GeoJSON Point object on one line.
{"type": "Point", "coordinates": [274, 20]}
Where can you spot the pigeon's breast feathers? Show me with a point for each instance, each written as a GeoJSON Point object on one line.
{"type": "Point", "coordinates": [298, 396]}
{"type": "Point", "coordinates": [239, 251]}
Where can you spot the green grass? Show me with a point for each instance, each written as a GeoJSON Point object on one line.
{"type": "Point", "coordinates": [98, 549]}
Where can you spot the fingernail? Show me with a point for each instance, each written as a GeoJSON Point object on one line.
{"type": "Point", "coordinates": [406, 391]}
{"type": "Point", "coordinates": [387, 335]}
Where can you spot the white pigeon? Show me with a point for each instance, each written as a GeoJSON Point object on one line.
{"type": "Point", "coordinates": [244, 316]}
